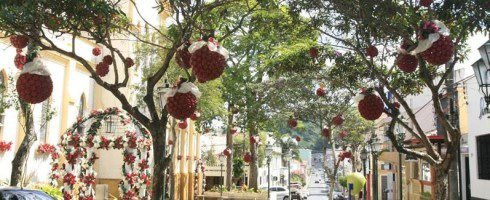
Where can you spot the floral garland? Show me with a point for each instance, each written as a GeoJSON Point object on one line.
{"type": "Point", "coordinates": [79, 150]}
{"type": "Point", "coordinates": [45, 149]}
{"type": "Point", "coordinates": [5, 146]}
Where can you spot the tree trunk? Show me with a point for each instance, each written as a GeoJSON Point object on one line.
{"type": "Point", "coordinates": [353, 160]}
{"type": "Point", "coordinates": [20, 159]}
{"type": "Point", "coordinates": [229, 144]}
{"type": "Point", "coordinates": [440, 184]}
{"type": "Point", "coordinates": [158, 132]}
{"type": "Point", "coordinates": [254, 165]}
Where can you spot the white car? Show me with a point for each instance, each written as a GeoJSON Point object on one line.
{"type": "Point", "coordinates": [282, 193]}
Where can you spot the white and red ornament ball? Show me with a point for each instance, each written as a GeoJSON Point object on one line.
{"type": "Point", "coordinates": [19, 41]}
{"type": "Point", "coordinates": [208, 59]}
{"type": "Point", "coordinates": [370, 105]}
{"type": "Point", "coordinates": [34, 84]}
{"type": "Point", "coordinates": [181, 101]}
{"type": "Point", "coordinates": [434, 44]}
{"type": "Point", "coordinates": [338, 120]}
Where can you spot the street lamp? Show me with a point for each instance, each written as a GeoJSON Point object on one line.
{"type": "Point", "coordinates": [482, 73]}
{"type": "Point", "coordinates": [268, 151]}
{"type": "Point", "coordinates": [401, 138]}
{"type": "Point", "coordinates": [288, 158]}
{"type": "Point", "coordinates": [222, 159]}
{"type": "Point", "coordinates": [161, 91]}
{"type": "Point", "coordinates": [375, 146]}
{"type": "Point", "coordinates": [364, 155]}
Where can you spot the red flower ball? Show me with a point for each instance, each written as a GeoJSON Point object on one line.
{"type": "Point", "coordinates": [397, 105]}
{"type": "Point", "coordinates": [183, 56]}
{"type": "Point", "coordinates": [19, 41]}
{"type": "Point", "coordinates": [313, 52]}
{"type": "Point", "coordinates": [19, 61]}
{"type": "Point", "coordinates": [343, 134]}
{"type": "Point", "coordinates": [440, 52]}
{"type": "Point", "coordinates": [247, 157]}
{"type": "Point", "coordinates": [181, 105]}
{"type": "Point", "coordinates": [326, 132]}
{"type": "Point", "coordinates": [338, 120]}
{"type": "Point", "coordinates": [195, 116]}
{"type": "Point", "coordinates": [372, 51]}
{"type": "Point", "coordinates": [227, 152]}
{"type": "Point", "coordinates": [108, 60]}
{"type": "Point", "coordinates": [426, 3]}
{"type": "Point", "coordinates": [183, 124]}
{"type": "Point", "coordinates": [371, 107]}
{"type": "Point", "coordinates": [96, 51]}
{"type": "Point", "coordinates": [298, 139]}
{"type": "Point", "coordinates": [320, 92]}
{"type": "Point", "coordinates": [128, 62]}
{"type": "Point", "coordinates": [102, 69]}
{"type": "Point", "coordinates": [207, 65]}
{"type": "Point", "coordinates": [407, 63]}
{"type": "Point", "coordinates": [34, 88]}
{"type": "Point", "coordinates": [253, 139]}
{"type": "Point", "coordinates": [292, 122]}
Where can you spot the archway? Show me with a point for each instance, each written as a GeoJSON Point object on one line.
{"type": "Point", "coordinates": [79, 149]}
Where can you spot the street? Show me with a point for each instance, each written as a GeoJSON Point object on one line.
{"type": "Point", "coordinates": [318, 191]}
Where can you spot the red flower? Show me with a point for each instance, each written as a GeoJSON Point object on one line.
{"type": "Point", "coordinates": [89, 180]}
{"type": "Point", "coordinates": [143, 164]}
{"type": "Point", "coordinates": [298, 138]}
{"type": "Point", "coordinates": [132, 142]}
{"type": "Point", "coordinates": [5, 146]}
{"type": "Point", "coordinates": [69, 179]}
{"type": "Point", "coordinates": [292, 122]}
{"type": "Point", "coordinates": [96, 51]}
{"type": "Point", "coordinates": [338, 120]}
{"type": "Point", "coordinates": [320, 92]}
{"type": "Point", "coordinates": [67, 196]}
{"type": "Point", "coordinates": [102, 69]}
{"type": "Point", "coordinates": [129, 158]}
{"type": "Point", "coordinates": [118, 143]}
{"type": "Point", "coordinates": [45, 149]}
{"type": "Point", "coordinates": [34, 88]}
{"type": "Point", "coordinates": [90, 141]}
{"type": "Point", "coordinates": [104, 143]}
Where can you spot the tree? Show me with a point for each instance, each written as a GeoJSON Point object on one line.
{"type": "Point", "coordinates": [353, 26]}
{"type": "Point", "coordinates": [103, 22]}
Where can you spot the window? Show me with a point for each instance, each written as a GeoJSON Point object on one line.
{"type": "Point", "coordinates": [483, 153]}
{"type": "Point", "coordinates": [45, 118]}
{"type": "Point", "coordinates": [426, 176]}
{"type": "Point", "coordinates": [81, 110]}
{"type": "Point", "coordinates": [281, 189]}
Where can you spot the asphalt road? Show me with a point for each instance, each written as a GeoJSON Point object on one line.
{"type": "Point", "coordinates": [318, 191]}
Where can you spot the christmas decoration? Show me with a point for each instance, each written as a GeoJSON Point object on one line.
{"type": "Point", "coordinates": [183, 124]}
{"type": "Point", "coordinates": [297, 138]}
{"type": "Point", "coordinates": [34, 84]}
{"type": "Point", "coordinates": [345, 154]}
{"type": "Point", "coordinates": [102, 69]}
{"type": "Point", "coordinates": [108, 60]}
{"type": "Point", "coordinates": [5, 146]}
{"type": "Point", "coordinates": [195, 116]}
{"type": "Point", "coordinates": [320, 92]}
{"type": "Point", "coordinates": [313, 52]}
{"type": "Point", "coordinates": [343, 134]}
{"type": "Point", "coordinates": [45, 149]}
{"type": "Point", "coordinates": [396, 105]}
{"type": "Point", "coordinates": [227, 152]}
{"type": "Point", "coordinates": [96, 51]}
{"type": "Point", "coordinates": [247, 157]}
{"type": "Point", "coordinates": [80, 153]}
{"type": "Point", "coordinates": [370, 106]}
{"type": "Point", "coordinates": [426, 3]}
{"type": "Point", "coordinates": [434, 44]}
{"type": "Point", "coordinates": [19, 41]}
{"type": "Point", "coordinates": [208, 60]}
{"type": "Point", "coordinates": [292, 122]}
{"type": "Point", "coordinates": [326, 132]}
{"type": "Point", "coordinates": [407, 63]}
{"type": "Point", "coordinates": [183, 56]}
{"type": "Point", "coordinates": [181, 101]}
{"type": "Point", "coordinates": [372, 51]}
{"type": "Point", "coordinates": [254, 139]}
{"type": "Point", "coordinates": [128, 62]}
{"type": "Point", "coordinates": [20, 60]}
{"type": "Point", "coordinates": [338, 120]}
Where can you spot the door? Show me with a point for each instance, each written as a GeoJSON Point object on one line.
{"type": "Point", "coordinates": [384, 187]}
{"type": "Point", "coordinates": [467, 176]}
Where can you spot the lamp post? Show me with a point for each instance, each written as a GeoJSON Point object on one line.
{"type": "Point", "coordinates": [401, 137]}
{"type": "Point", "coordinates": [268, 151]}
{"type": "Point", "coordinates": [364, 155]}
{"type": "Point", "coordinates": [288, 158]}
{"type": "Point", "coordinates": [375, 145]}
{"type": "Point", "coordinates": [161, 91]}
{"type": "Point", "coordinates": [482, 73]}
{"type": "Point", "coordinates": [222, 159]}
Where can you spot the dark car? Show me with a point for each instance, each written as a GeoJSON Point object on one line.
{"type": "Point", "coordinates": [21, 194]}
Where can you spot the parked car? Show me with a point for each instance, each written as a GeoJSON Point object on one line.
{"type": "Point", "coordinates": [282, 193]}
{"type": "Point", "coordinates": [338, 195]}
{"type": "Point", "coordinates": [298, 192]}
{"type": "Point", "coordinates": [16, 193]}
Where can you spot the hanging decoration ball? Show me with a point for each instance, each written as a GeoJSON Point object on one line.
{"type": "Point", "coordinates": [181, 101]}
{"type": "Point", "coordinates": [183, 124]}
{"type": "Point", "coordinates": [96, 51]}
{"type": "Point", "coordinates": [19, 41]}
{"type": "Point", "coordinates": [20, 60]}
{"type": "Point", "coordinates": [396, 105]}
{"type": "Point", "coordinates": [426, 3]}
{"type": "Point", "coordinates": [338, 120]}
{"type": "Point", "coordinates": [195, 116]}
{"type": "Point", "coordinates": [128, 62]}
{"type": "Point", "coordinates": [326, 132]}
{"type": "Point", "coordinates": [227, 152]}
{"type": "Point", "coordinates": [320, 92]}
{"type": "Point", "coordinates": [247, 157]}
{"type": "Point", "coordinates": [254, 139]}
{"type": "Point", "coordinates": [407, 63]}
{"type": "Point", "coordinates": [343, 134]}
{"type": "Point", "coordinates": [297, 138]}
{"type": "Point", "coordinates": [292, 122]}
{"type": "Point", "coordinates": [313, 52]}
{"type": "Point", "coordinates": [233, 130]}
{"type": "Point", "coordinates": [370, 105]}
{"type": "Point", "coordinates": [434, 44]}
{"type": "Point", "coordinates": [208, 59]}
{"type": "Point", "coordinates": [372, 51]}
{"type": "Point", "coordinates": [34, 84]}
{"type": "Point", "coordinates": [102, 69]}
{"type": "Point", "coordinates": [108, 60]}
{"type": "Point", "coordinates": [183, 56]}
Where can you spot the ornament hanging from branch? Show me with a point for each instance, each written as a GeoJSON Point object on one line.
{"type": "Point", "coordinates": [370, 105]}
{"type": "Point", "coordinates": [434, 44]}
{"type": "Point", "coordinates": [227, 152]}
{"type": "Point", "coordinates": [183, 124]}
{"type": "Point", "coordinates": [181, 101]}
{"type": "Point", "coordinates": [372, 51]}
{"type": "Point", "coordinates": [34, 84]}
{"type": "Point", "coordinates": [19, 41]}
{"type": "Point", "coordinates": [406, 62]}
{"type": "Point", "coordinates": [195, 116]}
{"type": "Point", "coordinates": [20, 60]}
{"type": "Point", "coordinates": [326, 132]}
{"type": "Point", "coordinates": [320, 92]}
{"type": "Point", "coordinates": [247, 157]}
{"type": "Point", "coordinates": [208, 59]}
{"type": "Point", "coordinates": [338, 120]}
{"type": "Point", "coordinates": [292, 122]}
{"type": "Point", "coordinates": [313, 52]}
{"type": "Point", "coordinates": [183, 56]}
